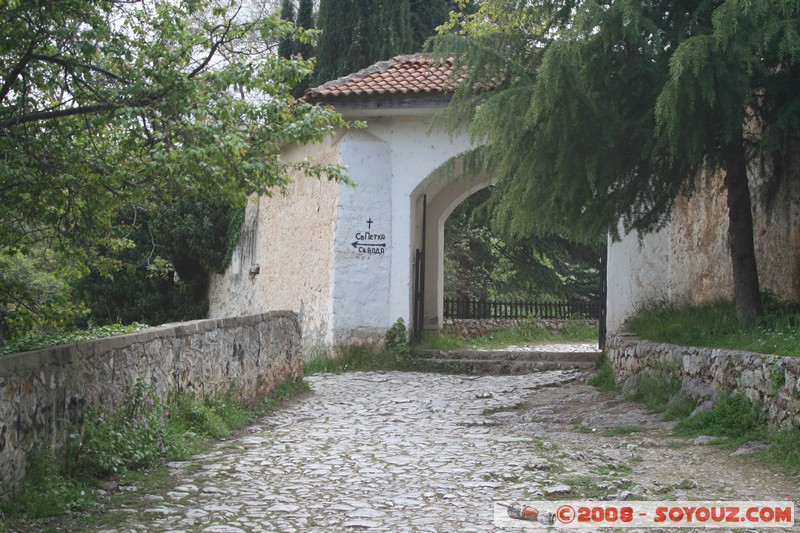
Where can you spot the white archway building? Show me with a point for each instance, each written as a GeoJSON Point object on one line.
{"type": "Point", "coordinates": [342, 256]}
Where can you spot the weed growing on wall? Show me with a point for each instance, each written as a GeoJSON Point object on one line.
{"type": "Point", "coordinates": [397, 342]}
{"type": "Point", "coordinates": [127, 432]}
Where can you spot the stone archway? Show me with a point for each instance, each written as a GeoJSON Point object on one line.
{"type": "Point", "coordinates": [433, 200]}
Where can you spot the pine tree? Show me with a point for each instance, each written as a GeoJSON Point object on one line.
{"type": "Point", "coordinates": [602, 114]}
{"type": "Point", "coordinates": [357, 33]}
{"type": "Point", "coordinates": [305, 20]}
{"type": "Point", "coordinates": [286, 48]}
{"type": "Point", "coordinates": [426, 15]}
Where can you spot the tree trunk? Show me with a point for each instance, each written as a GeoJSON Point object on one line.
{"type": "Point", "coordinates": [740, 231]}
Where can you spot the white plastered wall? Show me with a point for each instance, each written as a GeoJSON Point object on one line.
{"type": "Point", "coordinates": [389, 162]}
{"type": "Point", "coordinates": [302, 243]}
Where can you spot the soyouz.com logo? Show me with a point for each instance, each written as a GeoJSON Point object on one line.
{"type": "Point", "coordinates": [689, 514]}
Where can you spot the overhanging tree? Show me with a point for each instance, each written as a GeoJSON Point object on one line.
{"type": "Point", "coordinates": [608, 111]}
{"type": "Point", "coordinates": [106, 102]}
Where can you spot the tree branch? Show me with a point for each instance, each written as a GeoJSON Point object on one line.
{"type": "Point", "coordinates": [211, 52]}
{"type": "Point", "coordinates": [73, 111]}
{"type": "Point", "coordinates": [66, 63]}
{"type": "Point", "coordinates": [17, 70]}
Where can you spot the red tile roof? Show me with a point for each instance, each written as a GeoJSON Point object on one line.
{"type": "Point", "coordinates": [401, 75]}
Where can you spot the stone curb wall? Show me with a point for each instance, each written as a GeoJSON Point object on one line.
{"type": "Point", "coordinates": [768, 380]}
{"type": "Point", "coordinates": [44, 393]}
{"type": "Point", "coordinates": [475, 327]}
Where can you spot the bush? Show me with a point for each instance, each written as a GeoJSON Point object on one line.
{"type": "Point", "coordinates": [124, 434]}
{"type": "Point", "coordinates": [33, 300]}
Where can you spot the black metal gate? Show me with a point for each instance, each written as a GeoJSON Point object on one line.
{"type": "Point", "coordinates": [601, 342]}
{"type": "Point", "coordinates": [418, 317]}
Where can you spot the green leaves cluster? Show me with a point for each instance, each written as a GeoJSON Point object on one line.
{"type": "Point", "coordinates": [109, 106]}
{"type": "Point", "coordinates": [482, 261]}
{"type": "Point", "coordinates": [105, 102]}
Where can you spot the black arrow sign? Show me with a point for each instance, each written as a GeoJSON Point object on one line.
{"type": "Point", "coordinates": [356, 244]}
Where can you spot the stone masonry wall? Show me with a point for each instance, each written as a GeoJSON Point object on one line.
{"type": "Point", "coordinates": [768, 380]}
{"type": "Point", "coordinates": [44, 393]}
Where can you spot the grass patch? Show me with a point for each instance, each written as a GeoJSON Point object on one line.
{"type": "Point", "coordinates": [716, 325]}
{"type": "Point", "coordinates": [785, 448]}
{"type": "Point", "coordinates": [356, 358]}
{"type": "Point", "coordinates": [656, 388]}
{"type": "Point", "coordinates": [604, 377]}
{"type": "Point", "coordinates": [734, 417]}
{"type": "Point", "coordinates": [528, 332]}
{"type": "Point", "coordinates": [129, 439]}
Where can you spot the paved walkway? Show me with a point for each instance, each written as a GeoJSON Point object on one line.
{"type": "Point", "coordinates": [369, 451]}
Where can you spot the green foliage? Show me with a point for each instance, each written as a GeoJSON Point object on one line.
{"type": "Point", "coordinates": [163, 277]}
{"type": "Point", "coordinates": [579, 152]}
{"type": "Point", "coordinates": [357, 358]}
{"type": "Point", "coordinates": [527, 332]}
{"type": "Point", "coordinates": [106, 103]}
{"type": "Point", "coordinates": [427, 16]}
{"type": "Point", "coordinates": [126, 433]}
{"type": "Point", "coordinates": [397, 335]}
{"type": "Point", "coordinates": [35, 342]}
{"type": "Point", "coordinates": [48, 491]}
{"type": "Point", "coordinates": [216, 417]}
{"type": "Point", "coordinates": [656, 388]}
{"type": "Point", "coordinates": [286, 45]}
{"type": "Point", "coordinates": [785, 449]}
{"type": "Point", "coordinates": [132, 432]}
{"type": "Point", "coordinates": [482, 260]}
{"type": "Point", "coordinates": [733, 416]}
{"type": "Point", "coordinates": [604, 377]}
{"type": "Point", "coordinates": [33, 299]}
{"type": "Point", "coordinates": [397, 341]}
{"type": "Point", "coordinates": [717, 325]}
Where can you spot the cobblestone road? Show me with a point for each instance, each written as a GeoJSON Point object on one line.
{"type": "Point", "coordinates": [389, 452]}
{"type": "Point", "coordinates": [426, 452]}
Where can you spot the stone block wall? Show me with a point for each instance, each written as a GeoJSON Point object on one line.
{"type": "Point", "coordinates": [770, 381]}
{"type": "Point", "coordinates": [45, 393]}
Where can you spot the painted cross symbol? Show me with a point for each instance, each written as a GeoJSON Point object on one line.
{"type": "Point", "coordinates": [369, 223]}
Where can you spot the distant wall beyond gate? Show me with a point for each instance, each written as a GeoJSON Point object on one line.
{"type": "Point", "coordinates": [44, 394]}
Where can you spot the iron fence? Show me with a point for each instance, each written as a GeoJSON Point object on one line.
{"type": "Point", "coordinates": [493, 309]}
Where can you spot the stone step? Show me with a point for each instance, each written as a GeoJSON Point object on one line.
{"type": "Point", "coordinates": [514, 355]}
{"type": "Point", "coordinates": [508, 367]}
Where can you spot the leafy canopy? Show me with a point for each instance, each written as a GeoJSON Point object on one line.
{"type": "Point", "coordinates": [107, 102]}
{"type": "Point", "coordinates": [591, 112]}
